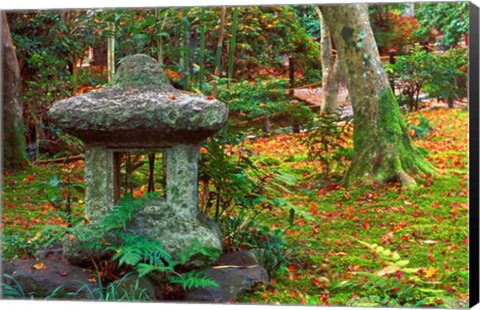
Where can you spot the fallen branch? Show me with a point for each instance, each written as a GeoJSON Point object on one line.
{"type": "Point", "coordinates": [61, 159]}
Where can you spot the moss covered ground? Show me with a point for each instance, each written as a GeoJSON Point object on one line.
{"type": "Point", "coordinates": [425, 228]}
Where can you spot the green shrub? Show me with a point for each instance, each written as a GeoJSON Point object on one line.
{"type": "Point", "coordinates": [447, 79]}
{"type": "Point", "coordinates": [410, 73]}
{"type": "Point", "coordinates": [440, 75]}
{"type": "Point", "coordinates": [260, 97]}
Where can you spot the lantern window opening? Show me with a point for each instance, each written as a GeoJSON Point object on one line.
{"type": "Point", "coordinates": [139, 171]}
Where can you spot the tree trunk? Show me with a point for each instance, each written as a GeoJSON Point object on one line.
{"type": "Point", "coordinates": [233, 44]}
{"type": "Point", "coordinates": [216, 71]}
{"type": "Point", "coordinates": [383, 149]}
{"type": "Point", "coordinates": [330, 69]}
{"type": "Point", "coordinates": [14, 153]}
{"type": "Point", "coordinates": [291, 73]}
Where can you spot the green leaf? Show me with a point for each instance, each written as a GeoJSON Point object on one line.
{"type": "Point", "coordinates": [194, 279]}
{"type": "Point", "coordinates": [140, 37]}
{"type": "Point", "coordinates": [402, 263]}
{"type": "Point", "coordinates": [144, 269]}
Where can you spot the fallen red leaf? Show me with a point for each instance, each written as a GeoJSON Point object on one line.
{"type": "Point", "coordinates": [366, 225]}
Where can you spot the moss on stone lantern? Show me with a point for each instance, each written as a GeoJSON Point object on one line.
{"type": "Point", "coordinates": [142, 111]}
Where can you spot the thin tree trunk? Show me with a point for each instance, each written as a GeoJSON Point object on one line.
{"type": "Point", "coordinates": [14, 151]}
{"type": "Point", "coordinates": [383, 149]}
{"type": "Point", "coordinates": [151, 173]}
{"type": "Point", "coordinates": [216, 72]}
{"type": "Point", "coordinates": [330, 69]}
{"type": "Point", "coordinates": [202, 51]}
{"type": "Point", "coordinates": [160, 37]}
{"type": "Point", "coordinates": [291, 73]}
{"type": "Point", "coordinates": [232, 46]}
{"type": "Point", "coordinates": [186, 50]}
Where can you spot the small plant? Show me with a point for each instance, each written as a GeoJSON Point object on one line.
{"type": "Point", "coordinates": [63, 192]}
{"type": "Point", "coordinates": [298, 113]}
{"type": "Point", "coordinates": [273, 251]}
{"type": "Point", "coordinates": [126, 288]}
{"type": "Point", "coordinates": [11, 289]}
{"type": "Point", "coordinates": [25, 246]}
{"type": "Point", "coordinates": [230, 179]}
{"type": "Point", "coordinates": [326, 142]}
{"type": "Point", "coordinates": [421, 130]}
{"type": "Point", "coordinates": [395, 284]}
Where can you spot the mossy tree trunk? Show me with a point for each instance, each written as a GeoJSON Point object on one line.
{"type": "Point", "coordinates": [14, 153]}
{"type": "Point", "coordinates": [330, 69]}
{"type": "Point", "coordinates": [383, 149]}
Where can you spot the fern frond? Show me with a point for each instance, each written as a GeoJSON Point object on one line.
{"type": "Point", "coordinates": [159, 256]}
{"type": "Point", "coordinates": [195, 249]}
{"type": "Point", "coordinates": [144, 269]}
{"type": "Point", "coordinates": [194, 279]}
{"type": "Point", "coordinates": [128, 255]}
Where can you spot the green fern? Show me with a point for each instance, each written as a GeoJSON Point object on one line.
{"type": "Point", "coordinates": [158, 257]}
{"type": "Point", "coordinates": [196, 249]}
{"type": "Point", "coordinates": [119, 216]}
{"type": "Point", "coordinates": [136, 248]}
{"type": "Point", "coordinates": [194, 279]}
{"type": "Point", "coordinates": [145, 256]}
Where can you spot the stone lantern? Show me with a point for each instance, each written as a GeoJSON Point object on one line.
{"type": "Point", "coordinates": [141, 111]}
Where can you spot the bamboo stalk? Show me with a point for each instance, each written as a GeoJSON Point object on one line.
{"type": "Point", "coordinates": [216, 72]}
{"type": "Point", "coordinates": [111, 51]}
{"type": "Point", "coordinates": [160, 38]}
{"type": "Point", "coordinates": [233, 43]}
{"type": "Point", "coordinates": [202, 50]}
{"type": "Point", "coordinates": [186, 51]}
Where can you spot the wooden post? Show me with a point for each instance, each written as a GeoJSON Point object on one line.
{"type": "Point", "coordinates": [151, 172]}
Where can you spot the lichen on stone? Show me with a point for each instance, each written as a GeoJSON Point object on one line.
{"type": "Point", "coordinates": [141, 107]}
